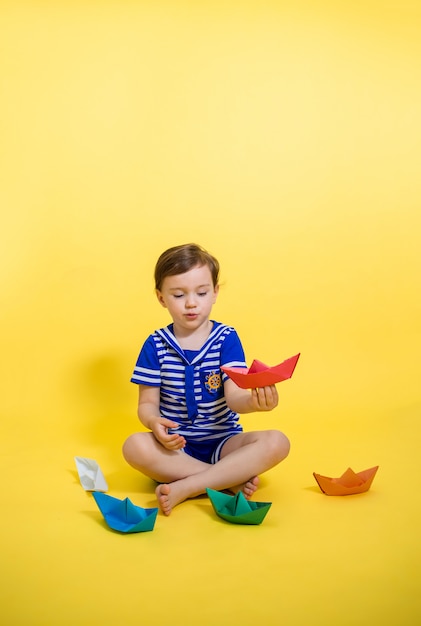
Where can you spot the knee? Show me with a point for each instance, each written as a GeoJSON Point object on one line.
{"type": "Point", "coordinates": [133, 449]}
{"type": "Point", "coordinates": [279, 445]}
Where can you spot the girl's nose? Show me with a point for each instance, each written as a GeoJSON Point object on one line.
{"type": "Point", "coordinates": [190, 301]}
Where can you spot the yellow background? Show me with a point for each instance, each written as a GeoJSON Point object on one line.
{"type": "Point", "coordinates": [284, 137]}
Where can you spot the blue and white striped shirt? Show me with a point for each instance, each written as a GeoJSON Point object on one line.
{"type": "Point", "coordinates": [191, 382]}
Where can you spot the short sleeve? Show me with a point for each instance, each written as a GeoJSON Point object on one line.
{"type": "Point", "coordinates": [232, 353]}
{"type": "Point", "coordinates": [147, 370]}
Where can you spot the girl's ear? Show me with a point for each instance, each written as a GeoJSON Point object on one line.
{"type": "Point", "coordinates": [215, 293]}
{"type": "Point", "coordinates": [160, 298]}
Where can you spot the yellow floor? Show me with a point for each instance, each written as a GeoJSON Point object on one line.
{"type": "Point", "coordinates": [315, 559]}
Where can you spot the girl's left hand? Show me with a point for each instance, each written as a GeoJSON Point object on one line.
{"type": "Point", "coordinates": [264, 398]}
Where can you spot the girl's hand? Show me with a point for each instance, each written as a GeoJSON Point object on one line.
{"type": "Point", "coordinates": [243, 401]}
{"type": "Point", "coordinates": [264, 398]}
{"type": "Point", "coordinates": [171, 441]}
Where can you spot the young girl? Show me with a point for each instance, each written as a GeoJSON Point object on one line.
{"type": "Point", "coordinates": [190, 406]}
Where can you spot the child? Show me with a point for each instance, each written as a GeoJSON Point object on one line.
{"type": "Point", "coordinates": [188, 404]}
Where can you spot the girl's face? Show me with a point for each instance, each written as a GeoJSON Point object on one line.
{"type": "Point", "coordinates": [189, 298]}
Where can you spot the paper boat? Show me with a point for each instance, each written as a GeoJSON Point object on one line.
{"type": "Point", "coordinates": [123, 515]}
{"type": "Point", "coordinates": [237, 509]}
{"type": "Point", "coordinates": [90, 475]}
{"type": "Point", "coordinates": [347, 484]}
{"type": "Point", "coordinates": [261, 375]}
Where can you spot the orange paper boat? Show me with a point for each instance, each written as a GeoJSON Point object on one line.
{"type": "Point", "coordinates": [261, 375]}
{"type": "Point", "coordinates": [347, 484]}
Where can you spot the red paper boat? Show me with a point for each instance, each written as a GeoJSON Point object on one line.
{"type": "Point", "coordinates": [347, 484]}
{"type": "Point", "coordinates": [261, 375]}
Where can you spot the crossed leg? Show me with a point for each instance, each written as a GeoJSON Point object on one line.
{"type": "Point", "coordinates": [243, 458]}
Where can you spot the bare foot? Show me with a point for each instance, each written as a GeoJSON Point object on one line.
{"type": "Point", "coordinates": [247, 488]}
{"type": "Point", "coordinates": [164, 499]}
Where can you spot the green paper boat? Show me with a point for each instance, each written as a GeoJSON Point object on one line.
{"type": "Point", "coordinates": [237, 509]}
{"type": "Point", "coordinates": [123, 515]}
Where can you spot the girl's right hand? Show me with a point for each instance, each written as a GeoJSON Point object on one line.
{"type": "Point", "coordinates": [170, 441]}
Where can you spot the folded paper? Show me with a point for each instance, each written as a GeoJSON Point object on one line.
{"type": "Point", "coordinates": [237, 509]}
{"type": "Point", "coordinates": [123, 515]}
{"type": "Point", "coordinates": [90, 475]}
{"type": "Point", "coordinates": [348, 484]}
{"type": "Point", "coordinates": [261, 375]}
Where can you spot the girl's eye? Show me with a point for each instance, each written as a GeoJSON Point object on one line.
{"type": "Point", "coordinates": [204, 293]}
{"type": "Point", "coordinates": [178, 295]}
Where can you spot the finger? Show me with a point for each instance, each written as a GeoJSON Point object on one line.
{"type": "Point", "coordinates": [175, 441]}
{"type": "Point", "coordinates": [266, 399]}
{"type": "Point", "coordinates": [169, 444]}
{"type": "Point", "coordinates": [268, 395]}
{"type": "Point", "coordinates": [178, 445]}
{"type": "Point", "coordinates": [169, 423]}
{"type": "Point", "coordinates": [273, 395]}
{"type": "Point", "coordinates": [255, 397]}
{"type": "Point", "coordinates": [262, 396]}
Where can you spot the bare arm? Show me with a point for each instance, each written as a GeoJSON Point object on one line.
{"type": "Point", "coordinates": [149, 415]}
{"type": "Point", "coordinates": [245, 401]}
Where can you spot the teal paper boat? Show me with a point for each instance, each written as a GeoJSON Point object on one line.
{"type": "Point", "coordinates": [237, 509]}
{"type": "Point", "coordinates": [123, 515]}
